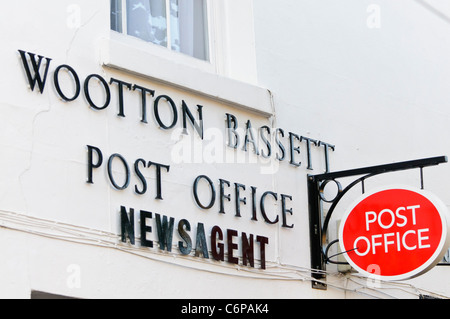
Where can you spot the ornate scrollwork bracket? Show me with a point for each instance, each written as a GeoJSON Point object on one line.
{"type": "Point", "coordinates": [318, 228]}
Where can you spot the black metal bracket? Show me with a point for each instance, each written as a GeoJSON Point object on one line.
{"type": "Point", "coordinates": [318, 229]}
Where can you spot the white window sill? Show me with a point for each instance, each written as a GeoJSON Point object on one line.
{"type": "Point", "coordinates": [156, 63]}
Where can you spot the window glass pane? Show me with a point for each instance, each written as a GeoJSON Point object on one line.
{"type": "Point", "coordinates": [447, 257]}
{"type": "Point", "coordinates": [146, 19]}
{"type": "Point", "coordinates": [189, 27]}
{"type": "Point", "coordinates": [116, 15]}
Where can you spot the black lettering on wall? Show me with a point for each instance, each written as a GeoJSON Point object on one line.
{"type": "Point", "coordinates": [217, 249]}
{"type": "Point", "coordinates": [91, 164]}
{"type": "Point", "coordinates": [111, 175]}
{"type": "Point", "coordinates": [201, 248]}
{"type": "Point", "coordinates": [165, 232]}
{"type": "Point", "coordinates": [145, 229]}
{"type": "Point", "coordinates": [75, 78]}
{"type": "Point", "coordinates": [171, 103]}
{"type": "Point", "coordinates": [105, 86]}
{"type": "Point", "coordinates": [36, 76]}
{"type": "Point", "coordinates": [187, 114]}
{"type": "Point", "coordinates": [127, 225]}
{"type": "Point", "coordinates": [183, 227]}
{"type": "Point", "coordinates": [120, 86]}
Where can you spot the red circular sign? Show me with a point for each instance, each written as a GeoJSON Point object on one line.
{"type": "Point", "coordinates": [395, 233]}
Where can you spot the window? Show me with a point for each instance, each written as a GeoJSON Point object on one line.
{"type": "Point", "coordinates": [446, 259]}
{"type": "Point", "coordinates": [179, 25]}
{"type": "Point", "coordinates": [46, 296]}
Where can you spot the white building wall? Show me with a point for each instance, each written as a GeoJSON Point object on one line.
{"type": "Point", "coordinates": [369, 76]}
{"type": "Point", "coordinates": [315, 69]}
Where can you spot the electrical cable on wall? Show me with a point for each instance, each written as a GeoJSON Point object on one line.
{"type": "Point", "coordinates": [275, 271]}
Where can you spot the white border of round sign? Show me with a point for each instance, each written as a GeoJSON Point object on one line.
{"type": "Point", "coordinates": [444, 243]}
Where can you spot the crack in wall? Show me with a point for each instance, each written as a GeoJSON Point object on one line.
{"type": "Point", "coordinates": [77, 29]}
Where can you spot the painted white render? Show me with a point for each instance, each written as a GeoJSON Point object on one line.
{"type": "Point", "coordinates": [369, 77]}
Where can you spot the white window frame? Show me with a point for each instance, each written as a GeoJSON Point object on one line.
{"type": "Point", "coordinates": [227, 76]}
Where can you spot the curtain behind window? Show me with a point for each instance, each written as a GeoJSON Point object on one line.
{"type": "Point", "coordinates": [116, 15]}
{"type": "Point", "coordinates": [146, 19]}
{"type": "Point", "coordinates": [189, 31]}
